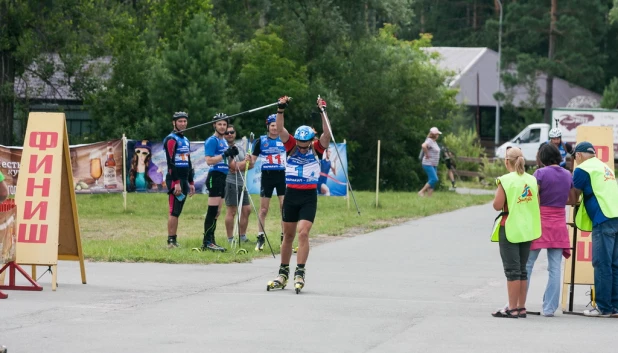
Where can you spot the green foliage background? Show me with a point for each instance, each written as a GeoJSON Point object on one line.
{"type": "Point", "coordinates": [364, 57]}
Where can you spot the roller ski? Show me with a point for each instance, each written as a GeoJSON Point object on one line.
{"type": "Point", "coordinates": [281, 281]}
{"type": "Point", "coordinates": [299, 279]}
{"type": "Point", "coordinates": [261, 240]}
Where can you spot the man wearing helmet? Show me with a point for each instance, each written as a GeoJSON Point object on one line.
{"type": "Point", "coordinates": [271, 152]}
{"type": "Point", "coordinates": [300, 204]}
{"type": "Point", "coordinates": [566, 151]}
{"type": "Point", "coordinates": [179, 178]}
{"type": "Point", "coordinates": [218, 156]}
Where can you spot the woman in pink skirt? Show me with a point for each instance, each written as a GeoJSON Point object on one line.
{"type": "Point", "coordinates": [555, 184]}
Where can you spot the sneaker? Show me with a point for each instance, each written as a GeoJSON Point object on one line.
{"type": "Point", "coordinates": [172, 244]}
{"type": "Point", "coordinates": [595, 313]}
{"type": "Point", "coordinates": [213, 247]}
{"type": "Point", "coordinates": [244, 239]}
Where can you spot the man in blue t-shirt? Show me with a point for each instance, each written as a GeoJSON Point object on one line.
{"type": "Point", "coordinates": [217, 157]}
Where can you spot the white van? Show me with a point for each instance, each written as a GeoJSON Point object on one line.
{"type": "Point", "coordinates": [530, 139]}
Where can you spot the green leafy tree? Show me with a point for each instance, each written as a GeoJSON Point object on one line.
{"type": "Point", "coordinates": [391, 92]}
{"type": "Point", "coordinates": [610, 95]}
{"type": "Point", "coordinates": [268, 74]}
{"type": "Point", "coordinates": [561, 40]}
{"type": "Point", "coordinates": [195, 77]}
{"type": "Point", "coordinates": [31, 31]}
{"type": "Point", "coordinates": [121, 104]}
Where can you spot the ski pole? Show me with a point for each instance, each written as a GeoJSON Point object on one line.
{"type": "Point", "coordinates": [239, 201]}
{"type": "Point", "coordinates": [244, 180]}
{"type": "Point", "coordinates": [234, 115]}
{"type": "Point", "coordinates": [338, 156]}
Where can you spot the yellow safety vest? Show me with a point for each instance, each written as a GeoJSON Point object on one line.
{"type": "Point", "coordinates": [604, 188]}
{"type": "Point", "coordinates": [522, 198]}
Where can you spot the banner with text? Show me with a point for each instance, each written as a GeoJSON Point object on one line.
{"type": "Point", "coordinates": [146, 168]}
{"type": "Point", "coordinates": [97, 168]}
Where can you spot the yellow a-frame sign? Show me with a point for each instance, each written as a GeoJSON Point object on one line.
{"type": "Point", "coordinates": [47, 221]}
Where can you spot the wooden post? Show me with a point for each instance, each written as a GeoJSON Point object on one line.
{"type": "Point", "coordinates": [124, 170]}
{"type": "Point", "coordinates": [347, 182]}
{"type": "Point", "coordinates": [378, 175]}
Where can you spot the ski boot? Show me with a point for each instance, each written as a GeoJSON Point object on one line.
{"type": "Point", "coordinates": [209, 244]}
{"type": "Point", "coordinates": [211, 247]}
{"type": "Point", "coordinates": [299, 279]}
{"type": "Point", "coordinates": [261, 240]}
{"type": "Point", "coordinates": [172, 243]}
{"type": "Point", "coordinates": [282, 279]}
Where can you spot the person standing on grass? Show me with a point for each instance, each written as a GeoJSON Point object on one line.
{"type": "Point", "coordinates": [301, 197]}
{"type": "Point", "coordinates": [271, 152]}
{"type": "Point", "coordinates": [234, 186]}
{"type": "Point", "coordinates": [518, 225]}
{"type": "Point", "coordinates": [555, 186]}
{"type": "Point", "coordinates": [598, 213]}
{"type": "Point", "coordinates": [431, 158]}
{"type": "Point", "coordinates": [179, 179]}
{"type": "Point", "coordinates": [217, 155]}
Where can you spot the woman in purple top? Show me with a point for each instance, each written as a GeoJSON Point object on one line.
{"type": "Point", "coordinates": [555, 184]}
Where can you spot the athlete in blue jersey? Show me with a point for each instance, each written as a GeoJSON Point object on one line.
{"type": "Point", "coordinates": [301, 198]}
{"type": "Point", "coordinates": [270, 151]}
{"type": "Point", "coordinates": [566, 150]}
{"type": "Point", "coordinates": [179, 178]}
{"type": "Point", "coordinates": [326, 166]}
{"type": "Point", "coordinates": [218, 156]}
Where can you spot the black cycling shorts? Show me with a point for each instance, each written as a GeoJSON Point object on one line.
{"type": "Point", "coordinates": [175, 205]}
{"type": "Point", "coordinates": [271, 180]}
{"type": "Point", "coordinates": [299, 204]}
{"type": "Point", "coordinates": [215, 183]}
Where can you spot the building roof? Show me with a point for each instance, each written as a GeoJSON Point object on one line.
{"type": "Point", "coordinates": [58, 86]}
{"type": "Point", "coordinates": [476, 75]}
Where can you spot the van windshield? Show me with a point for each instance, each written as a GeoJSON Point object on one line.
{"type": "Point", "coordinates": [530, 136]}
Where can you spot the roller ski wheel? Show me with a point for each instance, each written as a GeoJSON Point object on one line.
{"type": "Point", "coordinates": [278, 283]}
{"type": "Point", "coordinates": [299, 280]}
{"type": "Point", "coordinates": [261, 240]}
{"type": "Point", "coordinates": [298, 286]}
{"type": "Point", "coordinates": [241, 252]}
{"type": "Point", "coordinates": [295, 250]}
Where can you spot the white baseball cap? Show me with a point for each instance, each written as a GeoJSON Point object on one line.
{"type": "Point", "coordinates": [434, 130]}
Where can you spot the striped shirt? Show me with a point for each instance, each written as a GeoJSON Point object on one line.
{"type": "Point", "coordinates": [434, 153]}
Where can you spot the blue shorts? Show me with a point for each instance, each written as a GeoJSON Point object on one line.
{"type": "Point", "coordinates": [432, 174]}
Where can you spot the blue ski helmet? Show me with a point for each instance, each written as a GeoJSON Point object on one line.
{"type": "Point", "coordinates": [304, 133]}
{"type": "Point", "coordinates": [271, 119]}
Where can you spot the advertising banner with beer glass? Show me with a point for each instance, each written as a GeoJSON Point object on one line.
{"type": "Point", "coordinates": [97, 168]}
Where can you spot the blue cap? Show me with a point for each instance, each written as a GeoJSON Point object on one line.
{"type": "Point", "coordinates": [271, 119]}
{"type": "Point", "coordinates": [143, 144]}
{"type": "Point", "coordinates": [585, 147]}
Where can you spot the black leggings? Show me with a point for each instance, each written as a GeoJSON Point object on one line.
{"type": "Point", "coordinates": [514, 257]}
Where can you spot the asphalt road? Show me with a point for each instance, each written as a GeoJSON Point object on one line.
{"type": "Point", "coordinates": [427, 285]}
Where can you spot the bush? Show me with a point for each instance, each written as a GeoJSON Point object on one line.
{"type": "Point", "coordinates": [464, 144]}
{"type": "Point", "coordinates": [492, 170]}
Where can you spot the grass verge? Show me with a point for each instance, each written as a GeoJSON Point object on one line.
{"type": "Point", "coordinates": [139, 234]}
